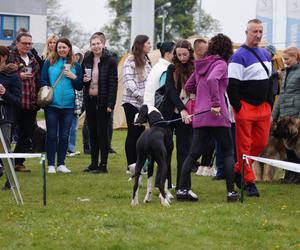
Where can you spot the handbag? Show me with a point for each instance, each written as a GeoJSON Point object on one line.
{"type": "Point", "coordinates": [45, 94]}
{"type": "Point", "coordinates": [160, 97]}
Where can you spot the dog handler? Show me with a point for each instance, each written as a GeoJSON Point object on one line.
{"type": "Point", "coordinates": [209, 83]}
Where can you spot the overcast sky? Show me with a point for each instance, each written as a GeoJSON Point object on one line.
{"type": "Point", "coordinates": [232, 14]}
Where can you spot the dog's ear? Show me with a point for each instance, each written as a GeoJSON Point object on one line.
{"type": "Point", "coordinates": [142, 115]}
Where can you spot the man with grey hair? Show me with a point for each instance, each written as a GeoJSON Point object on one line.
{"type": "Point", "coordinates": [250, 94]}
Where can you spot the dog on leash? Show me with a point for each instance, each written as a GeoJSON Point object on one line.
{"type": "Point", "coordinates": [288, 130]}
{"type": "Point", "coordinates": [274, 150]}
{"type": "Point", "coordinates": [39, 140]}
{"type": "Point", "coordinates": [156, 145]}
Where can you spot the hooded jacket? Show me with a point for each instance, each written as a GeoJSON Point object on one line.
{"type": "Point", "coordinates": [12, 96]}
{"type": "Point", "coordinates": [209, 83]}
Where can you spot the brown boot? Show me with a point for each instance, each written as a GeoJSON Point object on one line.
{"type": "Point", "coordinates": [21, 168]}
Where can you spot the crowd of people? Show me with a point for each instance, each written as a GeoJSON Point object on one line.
{"type": "Point", "coordinates": [233, 94]}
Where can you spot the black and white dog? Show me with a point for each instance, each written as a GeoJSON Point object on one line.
{"type": "Point", "coordinates": [156, 145]}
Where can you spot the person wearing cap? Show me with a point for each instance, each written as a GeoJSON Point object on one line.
{"type": "Point", "coordinates": [156, 79]}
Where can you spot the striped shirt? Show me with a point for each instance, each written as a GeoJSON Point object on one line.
{"type": "Point", "coordinates": [134, 87]}
{"type": "Point", "coordinates": [248, 80]}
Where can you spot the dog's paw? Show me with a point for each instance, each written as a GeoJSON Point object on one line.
{"type": "Point", "coordinates": [148, 197]}
{"type": "Point", "coordinates": [169, 195]}
{"type": "Point", "coordinates": [134, 202]}
{"type": "Point", "coordinates": [164, 201]}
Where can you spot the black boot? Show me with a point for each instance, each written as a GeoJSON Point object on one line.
{"type": "Point", "coordinates": [86, 149]}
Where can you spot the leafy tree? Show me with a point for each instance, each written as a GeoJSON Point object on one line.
{"type": "Point", "coordinates": [60, 24]}
{"type": "Point", "coordinates": [180, 22]}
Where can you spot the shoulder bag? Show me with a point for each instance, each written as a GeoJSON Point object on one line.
{"type": "Point", "coordinates": [45, 94]}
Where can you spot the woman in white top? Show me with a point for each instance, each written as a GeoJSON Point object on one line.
{"type": "Point", "coordinates": [136, 69]}
{"type": "Point", "coordinates": [157, 74]}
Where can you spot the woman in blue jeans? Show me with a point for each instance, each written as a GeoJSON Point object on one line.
{"type": "Point", "coordinates": [60, 68]}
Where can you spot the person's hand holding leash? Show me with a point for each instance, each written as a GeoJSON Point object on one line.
{"type": "Point", "coordinates": [216, 110]}
{"type": "Point", "coordinates": [186, 118]}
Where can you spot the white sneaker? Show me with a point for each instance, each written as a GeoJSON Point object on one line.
{"type": "Point", "coordinates": [51, 170]}
{"type": "Point", "coordinates": [200, 171]}
{"type": "Point", "coordinates": [63, 169]}
{"type": "Point", "coordinates": [191, 193]}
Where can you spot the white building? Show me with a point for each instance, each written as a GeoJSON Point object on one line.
{"type": "Point", "coordinates": [29, 14]}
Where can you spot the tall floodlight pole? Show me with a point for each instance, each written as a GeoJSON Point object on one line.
{"type": "Point", "coordinates": [142, 19]}
{"type": "Point", "coordinates": [199, 16]}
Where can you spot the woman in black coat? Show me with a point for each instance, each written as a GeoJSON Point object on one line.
{"type": "Point", "coordinates": [10, 95]}
{"type": "Point", "coordinates": [100, 90]}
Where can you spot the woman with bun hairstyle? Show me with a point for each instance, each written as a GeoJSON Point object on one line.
{"type": "Point", "coordinates": [157, 76]}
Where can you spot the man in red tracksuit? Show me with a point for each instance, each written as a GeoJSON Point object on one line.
{"type": "Point", "coordinates": [250, 95]}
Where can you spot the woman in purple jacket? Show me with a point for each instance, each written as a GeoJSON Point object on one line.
{"type": "Point", "coordinates": [209, 83]}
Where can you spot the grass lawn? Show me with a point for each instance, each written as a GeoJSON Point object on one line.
{"type": "Point", "coordinates": [87, 211]}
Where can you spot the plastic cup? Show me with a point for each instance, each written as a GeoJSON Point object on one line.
{"type": "Point", "coordinates": [28, 69]}
{"type": "Point", "coordinates": [88, 72]}
{"type": "Point", "coordinates": [67, 66]}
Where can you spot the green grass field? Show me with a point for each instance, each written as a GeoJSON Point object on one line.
{"type": "Point", "coordinates": [87, 211]}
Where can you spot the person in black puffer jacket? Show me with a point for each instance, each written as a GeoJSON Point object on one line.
{"type": "Point", "coordinates": [100, 90]}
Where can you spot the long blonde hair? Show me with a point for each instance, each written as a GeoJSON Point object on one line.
{"type": "Point", "coordinates": [46, 51]}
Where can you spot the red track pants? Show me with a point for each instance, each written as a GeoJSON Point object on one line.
{"type": "Point", "coordinates": [252, 132]}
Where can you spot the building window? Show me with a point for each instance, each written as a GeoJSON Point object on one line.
{"type": "Point", "coordinates": [9, 25]}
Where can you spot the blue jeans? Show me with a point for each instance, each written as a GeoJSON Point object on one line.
{"type": "Point", "coordinates": [73, 132]}
{"type": "Point", "coordinates": [58, 124]}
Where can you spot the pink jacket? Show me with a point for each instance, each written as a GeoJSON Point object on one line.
{"type": "Point", "coordinates": [209, 83]}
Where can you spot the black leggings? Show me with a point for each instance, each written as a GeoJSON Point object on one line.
{"type": "Point", "coordinates": [200, 136]}
{"type": "Point", "coordinates": [133, 133]}
{"type": "Point", "coordinates": [97, 120]}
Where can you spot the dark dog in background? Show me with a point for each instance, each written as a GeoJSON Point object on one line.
{"type": "Point", "coordinates": [288, 130]}
{"type": "Point", "coordinates": [156, 145]}
{"type": "Point", "coordinates": [274, 150]}
{"type": "Point", "coordinates": [39, 140]}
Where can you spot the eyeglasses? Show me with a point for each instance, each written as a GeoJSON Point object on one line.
{"type": "Point", "coordinates": [26, 44]}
